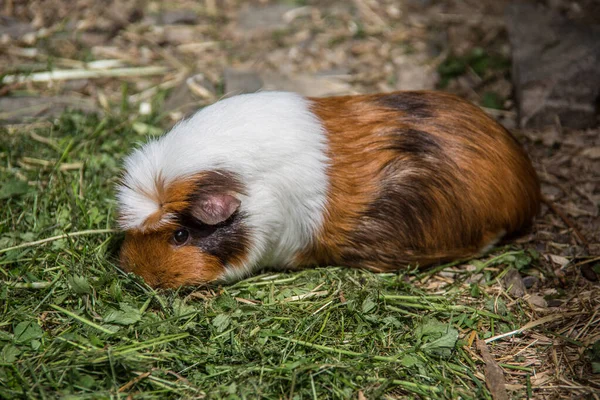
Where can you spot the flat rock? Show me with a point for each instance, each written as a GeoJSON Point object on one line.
{"type": "Point", "coordinates": [26, 109]}
{"type": "Point", "coordinates": [514, 283]}
{"type": "Point", "coordinates": [256, 20]}
{"type": "Point", "coordinates": [239, 81]}
{"type": "Point", "coordinates": [181, 101]}
{"type": "Point", "coordinates": [178, 17]}
{"type": "Point", "coordinates": [588, 272]}
{"type": "Point", "coordinates": [187, 97]}
{"type": "Point", "coordinates": [331, 83]}
{"type": "Point", "coordinates": [13, 28]}
{"type": "Point", "coordinates": [181, 34]}
{"type": "Point", "coordinates": [555, 67]}
{"type": "Point", "coordinates": [317, 85]}
{"type": "Point", "coordinates": [529, 281]}
{"type": "Point", "coordinates": [537, 301]}
{"type": "Point", "coordinates": [414, 73]}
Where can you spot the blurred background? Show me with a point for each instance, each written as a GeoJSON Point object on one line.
{"type": "Point", "coordinates": [104, 54]}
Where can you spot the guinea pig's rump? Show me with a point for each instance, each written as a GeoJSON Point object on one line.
{"type": "Point", "coordinates": [418, 178]}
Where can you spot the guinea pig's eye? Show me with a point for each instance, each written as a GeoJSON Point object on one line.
{"type": "Point", "coordinates": [181, 236]}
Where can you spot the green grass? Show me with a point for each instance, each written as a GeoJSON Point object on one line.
{"type": "Point", "coordinates": [72, 325]}
{"type": "Point", "coordinates": [479, 61]}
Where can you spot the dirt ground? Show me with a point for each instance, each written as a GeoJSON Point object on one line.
{"type": "Point", "coordinates": [193, 52]}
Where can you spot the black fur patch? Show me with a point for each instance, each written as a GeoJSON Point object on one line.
{"type": "Point", "coordinates": [414, 104]}
{"type": "Point", "coordinates": [227, 240]}
{"type": "Point", "coordinates": [408, 205]}
{"type": "Point", "coordinates": [415, 142]}
{"type": "Point", "coordinates": [217, 182]}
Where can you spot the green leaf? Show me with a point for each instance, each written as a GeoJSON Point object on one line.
{"type": "Point", "coordinates": [410, 361]}
{"type": "Point", "coordinates": [115, 291]}
{"type": "Point", "coordinates": [79, 284]}
{"type": "Point", "coordinates": [522, 260]}
{"type": "Point", "coordinates": [27, 331]}
{"type": "Point", "coordinates": [389, 320]}
{"type": "Point", "coordinates": [368, 305]}
{"type": "Point", "coordinates": [430, 327]}
{"type": "Point", "coordinates": [437, 337]}
{"type": "Point", "coordinates": [496, 306]}
{"type": "Point", "coordinates": [181, 308]}
{"type": "Point", "coordinates": [95, 216]}
{"type": "Point", "coordinates": [13, 188]}
{"type": "Point", "coordinates": [291, 365]}
{"type": "Point", "coordinates": [594, 351]}
{"type": "Point", "coordinates": [5, 336]}
{"type": "Point", "coordinates": [474, 289]}
{"type": "Point", "coordinates": [9, 353]}
{"type": "Point", "coordinates": [492, 100]}
{"type": "Point", "coordinates": [145, 129]}
{"type": "Point", "coordinates": [86, 381]}
{"type": "Point", "coordinates": [232, 388]}
{"type": "Point", "coordinates": [444, 344]}
{"type": "Point", "coordinates": [127, 315]}
{"type": "Point", "coordinates": [221, 322]}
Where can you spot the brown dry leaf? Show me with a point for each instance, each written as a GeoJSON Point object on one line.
{"type": "Point", "coordinates": [542, 378]}
{"type": "Point", "coordinates": [560, 260]}
{"type": "Point", "coordinates": [592, 152]}
{"type": "Point", "coordinates": [494, 377]}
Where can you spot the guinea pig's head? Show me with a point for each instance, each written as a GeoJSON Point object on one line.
{"type": "Point", "coordinates": [182, 232]}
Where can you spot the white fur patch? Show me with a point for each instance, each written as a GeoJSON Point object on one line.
{"type": "Point", "coordinates": [272, 141]}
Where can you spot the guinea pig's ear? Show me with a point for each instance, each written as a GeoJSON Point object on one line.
{"type": "Point", "coordinates": [214, 208]}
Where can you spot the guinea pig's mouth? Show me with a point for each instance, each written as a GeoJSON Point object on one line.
{"type": "Point", "coordinates": [153, 280]}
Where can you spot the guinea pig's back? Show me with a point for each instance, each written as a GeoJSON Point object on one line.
{"type": "Point", "coordinates": [418, 178]}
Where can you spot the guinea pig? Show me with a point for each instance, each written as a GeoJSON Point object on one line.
{"type": "Point", "coordinates": [274, 179]}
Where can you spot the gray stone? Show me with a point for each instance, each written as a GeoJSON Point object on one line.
{"type": "Point", "coordinates": [413, 72]}
{"type": "Point", "coordinates": [179, 17]}
{"type": "Point", "coordinates": [239, 81]}
{"type": "Point", "coordinates": [555, 67]}
{"type": "Point", "coordinates": [536, 301]}
{"type": "Point", "coordinates": [330, 83]}
{"type": "Point", "coordinates": [13, 28]}
{"type": "Point", "coordinates": [181, 100]}
{"type": "Point", "coordinates": [263, 19]}
{"type": "Point", "coordinates": [27, 109]}
{"type": "Point", "coordinates": [588, 272]}
{"type": "Point", "coordinates": [188, 96]}
{"type": "Point", "coordinates": [529, 281]}
{"type": "Point", "coordinates": [313, 85]}
{"type": "Point", "coordinates": [514, 283]}
{"type": "Point", "coordinates": [554, 303]}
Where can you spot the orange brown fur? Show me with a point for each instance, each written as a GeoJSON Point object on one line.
{"type": "Point", "coordinates": [150, 256]}
{"type": "Point", "coordinates": [417, 178]}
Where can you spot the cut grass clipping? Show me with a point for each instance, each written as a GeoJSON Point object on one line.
{"type": "Point", "coordinates": [72, 324]}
